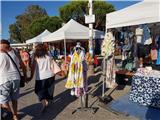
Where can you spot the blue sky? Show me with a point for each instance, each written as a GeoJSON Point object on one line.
{"type": "Point", "coordinates": [10, 9]}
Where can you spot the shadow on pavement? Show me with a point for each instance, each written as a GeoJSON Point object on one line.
{"type": "Point", "coordinates": [59, 79]}
{"type": "Point", "coordinates": [25, 93]}
{"type": "Point", "coordinates": [96, 83]}
{"type": "Point", "coordinates": [61, 101]}
{"type": "Point", "coordinates": [93, 79]}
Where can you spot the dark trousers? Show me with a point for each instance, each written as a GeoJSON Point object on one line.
{"type": "Point", "coordinates": [45, 88]}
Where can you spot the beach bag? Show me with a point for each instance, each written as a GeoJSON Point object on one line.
{"type": "Point", "coordinates": [55, 68]}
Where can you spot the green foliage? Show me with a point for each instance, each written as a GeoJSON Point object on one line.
{"type": "Point", "coordinates": [19, 30]}
{"type": "Point", "coordinates": [14, 32]}
{"type": "Point", "coordinates": [74, 10]}
{"type": "Point", "coordinates": [77, 9]}
{"type": "Point", "coordinates": [49, 23]}
{"type": "Point", "coordinates": [35, 19]}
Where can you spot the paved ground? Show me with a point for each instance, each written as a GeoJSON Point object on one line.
{"type": "Point", "coordinates": [65, 104]}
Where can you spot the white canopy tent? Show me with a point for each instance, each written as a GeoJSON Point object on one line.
{"type": "Point", "coordinates": [19, 45]}
{"type": "Point", "coordinates": [38, 39]}
{"type": "Point", "coordinates": [147, 11]}
{"type": "Point", "coordinates": [72, 31]}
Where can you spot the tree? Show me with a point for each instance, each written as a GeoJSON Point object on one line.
{"type": "Point", "coordinates": [14, 32]}
{"type": "Point", "coordinates": [74, 10]}
{"type": "Point", "coordinates": [49, 23]}
{"type": "Point", "coordinates": [100, 9]}
{"type": "Point", "coordinates": [78, 9]}
{"type": "Point", "coordinates": [20, 28]}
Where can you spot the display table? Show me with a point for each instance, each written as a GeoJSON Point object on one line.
{"type": "Point", "coordinates": [145, 89]}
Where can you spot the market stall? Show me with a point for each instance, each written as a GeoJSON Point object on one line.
{"type": "Point", "coordinates": [19, 45]}
{"type": "Point", "coordinates": [145, 12]}
{"type": "Point", "coordinates": [71, 32]}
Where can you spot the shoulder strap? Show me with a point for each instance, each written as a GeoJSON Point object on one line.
{"type": "Point", "coordinates": [13, 63]}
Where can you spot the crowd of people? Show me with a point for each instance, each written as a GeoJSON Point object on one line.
{"type": "Point", "coordinates": [15, 65]}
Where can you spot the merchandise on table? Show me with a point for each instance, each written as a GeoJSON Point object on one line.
{"type": "Point", "coordinates": [145, 88]}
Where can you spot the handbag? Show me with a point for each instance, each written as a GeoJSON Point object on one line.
{"type": "Point", "coordinates": [55, 68]}
{"type": "Point", "coordinates": [22, 82]}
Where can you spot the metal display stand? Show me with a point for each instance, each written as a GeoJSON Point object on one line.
{"type": "Point", "coordinates": [105, 99]}
{"type": "Point", "coordinates": [84, 105]}
{"type": "Point", "coordinates": [104, 76]}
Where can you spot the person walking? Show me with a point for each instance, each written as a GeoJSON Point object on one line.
{"type": "Point", "coordinates": [9, 78]}
{"type": "Point", "coordinates": [25, 57]}
{"type": "Point", "coordinates": [44, 76]}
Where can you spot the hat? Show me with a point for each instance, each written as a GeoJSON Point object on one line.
{"type": "Point", "coordinates": [4, 41]}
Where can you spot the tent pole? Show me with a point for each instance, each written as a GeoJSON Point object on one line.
{"type": "Point", "coordinates": [65, 51]}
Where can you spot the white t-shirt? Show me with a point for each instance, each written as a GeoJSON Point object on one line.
{"type": "Point", "coordinates": [8, 70]}
{"type": "Point", "coordinates": [43, 68]}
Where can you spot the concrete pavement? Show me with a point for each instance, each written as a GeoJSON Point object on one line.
{"type": "Point", "coordinates": [64, 104]}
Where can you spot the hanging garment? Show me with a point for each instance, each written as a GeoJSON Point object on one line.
{"type": "Point", "coordinates": [154, 54]}
{"type": "Point", "coordinates": [108, 45]}
{"type": "Point", "coordinates": [77, 76]}
{"type": "Point", "coordinates": [139, 33]}
{"type": "Point", "coordinates": [108, 52]}
{"type": "Point", "coordinates": [125, 49]}
{"type": "Point", "coordinates": [146, 38]}
{"type": "Point", "coordinates": [155, 31]}
{"type": "Point", "coordinates": [110, 72]}
{"type": "Point", "coordinates": [158, 58]}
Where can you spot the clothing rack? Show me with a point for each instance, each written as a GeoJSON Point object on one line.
{"type": "Point", "coordinates": [105, 98]}
{"type": "Point", "coordinates": [104, 76]}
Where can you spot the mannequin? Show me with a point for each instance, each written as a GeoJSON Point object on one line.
{"type": "Point", "coordinates": [77, 77]}
{"type": "Point", "coordinates": [78, 48]}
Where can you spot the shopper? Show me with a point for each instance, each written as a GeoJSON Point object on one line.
{"type": "Point", "coordinates": [9, 78]}
{"type": "Point", "coordinates": [44, 86]}
{"type": "Point", "coordinates": [25, 57]}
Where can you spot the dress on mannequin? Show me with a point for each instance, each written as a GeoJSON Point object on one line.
{"type": "Point", "coordinates": [77, 76]}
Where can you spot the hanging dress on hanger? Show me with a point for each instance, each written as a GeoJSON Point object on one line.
{"type": "Point", "coordinates": [108, 52]}
{"type": "Point", "coordinates": [77, 74]}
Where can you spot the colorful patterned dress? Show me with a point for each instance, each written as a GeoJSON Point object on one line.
{"type": "Point", "coordinates": [76, 76]}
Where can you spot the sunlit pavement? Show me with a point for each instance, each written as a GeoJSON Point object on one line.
{"type": "Point", "coordinates": [64, 104]}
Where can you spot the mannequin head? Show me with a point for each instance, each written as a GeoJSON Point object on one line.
{"type": "Point", "coordinates": [78, 44]}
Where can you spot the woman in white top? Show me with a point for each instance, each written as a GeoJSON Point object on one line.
{"type": "Point", "coordinates": [44, 76]}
